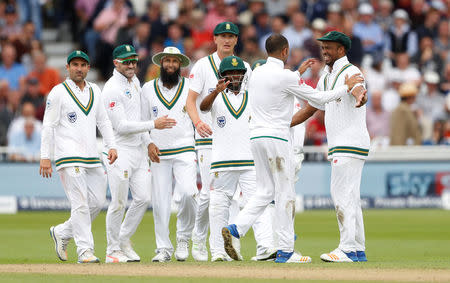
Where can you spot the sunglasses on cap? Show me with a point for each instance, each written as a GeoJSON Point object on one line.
{"type": "Point", "coordinates": [128, 61]}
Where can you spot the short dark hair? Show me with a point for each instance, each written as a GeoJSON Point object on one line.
{"type": "Point", "coordinates": [276, 43]}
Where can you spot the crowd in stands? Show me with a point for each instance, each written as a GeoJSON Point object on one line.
{"type": "Point", "coordinates": [402, 47]}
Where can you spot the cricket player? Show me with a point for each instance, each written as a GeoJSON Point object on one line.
{"type": "Point", "coordinates": [172, 154]}
{"type": "Point", "coordinates": [122, 100]}
{"type": "Point", "coordinates": [231, 159]}
{"type": "Point", "coordinates": [271, 88]}
{"type": "Point", "coordinates": [348, 146]}
{"type": "Point", "coordinates": [73, 111]}
{"type": "Point", "coordinates": [202, 81]}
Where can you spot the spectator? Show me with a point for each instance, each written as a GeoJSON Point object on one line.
{"type": "Point", "coordinates": [276, 7]}
{"type": "Point", "coordinates": [391, 97]}
{"type": "Point", "coordinates": [23, 43]}
{"type": "Point", "coordinates": [11, 28]}
{"type": "Point", "coordinates": [6, 113]}
{"type": "Point", "coordinates": [47, 77]}
{"type": "Point", "coordinates": [11, 71]}
{"type": "Point", "coordinates": [438, 136]}
{"type": "Point", "coordinates": [28, 111]}
{"type": "Point", "coordinates": [427, 59]}
{"type": "Point", "coordinates": [405, 128]}
{"type": "Point", "coordinates": [251, 51]}
{"type": "Point", "coordinates": [297, 32]}
{"type": "Point", "coordinates": [262, 24]}
{"type": "Point", "coordinates": [314, 9]}
{"type": "Point", "coordinates": [255, 7]}
{"type": "Point", "coordinates": [442, 42]}
{"type": "Point", "coordinates": [377, 118]}
{"type": "Point", "coordinates": [417, 13]}
{"type": "Point", "coordinates": [356, 51]}
{"type": "Point", "coordinates": [311, 45]}
{"type": "Point", "coordinates": [368, 31]}
{"type": "Point", "coordinates": [34, 96]}
{"type": "Point", "coordinates": [375, 78]}
{"type": "Point", "coordinates": [278, 25]}
{"type": "Point", "coordinates": [85, 9]}
{"type": "Point", "coordinates": [215, 14]}
{"type": "Point", "coordinates": [25, 145]}
{"type": "Point", "coordinates": [335, 17]}
{"type": "Point", "coordinates": [384, 16]}
{"type": "Point", "coordinates": [445, 85]}
{"type": "Point", "coordinates": [430, 25]}
{"type": "Point", "coordinates": [30, 11]}
{"type": "Point", "coordinates": [406, 70]}
{"type": "Point", "coordinates": [430, 100]}
{"type": "Point", "coordinates": [200, 36]}
{"type": "Point", "coordinates": [400, 38]}
{"type": "Point", "coordinates": [153, 16]}
{"type": "Point", "coordinates": [175, 37]}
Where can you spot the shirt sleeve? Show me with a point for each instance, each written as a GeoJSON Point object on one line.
{"type": "Point", "coordinates": [104, 125]}
{"type": "Point", "coordinates": [196, 78]}
{"type": "Point", "coordinates": [51, 120]}
{"type": "Point", "coordinates": [116, 114]}
{"type": "Point", "coordinates": [295, 85]}
{"type": "Point", "coordinates": [146, 113]}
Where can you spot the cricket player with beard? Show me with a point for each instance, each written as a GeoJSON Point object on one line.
{"type": "Point", "coordinates": [172, 153]}
{"type": "Point", "coordinates": [271, 89]}
{"type": "Point", "coordinates": [122, 100]}
{"type": "Point", "coordinates": [348, 146]}
{"type": "Point", "coordinates": [73, 111]}
{"type": "Point", "coordinates": [202, 81]}
{"type": "Point", "coordinates": [231, 159]}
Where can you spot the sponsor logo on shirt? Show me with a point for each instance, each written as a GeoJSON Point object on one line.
{"type": "Point", "coordinates": [112, 104]}
{"type": "Point", "coordinates": [155, 111]}
{"type": "Point", "coordinates": [72, 116]}
{"type": "Point", "coordinates": [221, 121]}
{"type": "Point", "coordinates": [301, 81]}
{"type": "Point", "coordinates": [191, 76]}
{"type": "Point", "coordinates": [128, 93]}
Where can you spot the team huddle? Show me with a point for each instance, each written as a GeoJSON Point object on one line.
{"type": "Point", "coordinates": [236, 124]}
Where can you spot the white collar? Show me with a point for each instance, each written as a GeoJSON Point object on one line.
{"type": "Point", "coordinates": [121, 77]}
{"type": "Point", "coordinates": [338, 64]}
{"type": "Point", "coordinates": [276, 61]}
{"type": "Point", "coordinates": [72, 84]}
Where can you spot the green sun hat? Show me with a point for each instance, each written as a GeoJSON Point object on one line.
{"type": "Point", "coordinates": [78, 54]}
{"type": "Point", "coordinates": [226, 27]}
{"type": "Point", "coordinates": [231, 63]}
{"type": "Point", "coordinates": [337, 37]}
{"type": "Point", "coordinates": [124, 51]}
{"type": "Point", "coordinates": [258, 63]}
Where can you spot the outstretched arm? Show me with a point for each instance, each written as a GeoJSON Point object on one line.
{"type": "Point", "coordinates": [302, 115]}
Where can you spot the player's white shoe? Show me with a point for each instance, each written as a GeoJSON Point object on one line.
{"type": "Point", "coordinates": [162, 256]}
{"type": "Point", "coordinates": [128, 250]}
{"type": "Point", "coordinates": [220, 257]}
{"type": "Point", "coordinates": [117, 257]}
{"type": "Point", "coordinates": [60, 244]}
{"type": "Point", "coordinates": [339, 256]}
{"type": "Point", "coordinates": [182, 251]}
{"type": "Point", "coordinates": [298, 258]}
{"type": "Point", "coordinates": [88, 257]}
{"type": "Point", "coordinates": [268, 255]}
{"type": "Point", "coordinates": [199, 251]}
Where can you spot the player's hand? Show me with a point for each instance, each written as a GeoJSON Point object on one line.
{"type": "Point", "coordinates": [112, 155]}
{"type": "Point", "coordinates": [306, 64]}
{"type": "Point", "coordinates": [353, 80]}
{"type": "Point", "coordinates": [164, 122]}
{"type": "Point", "coordinates": [153, 152]}
{"type": "Point", "coordinates": [203, 129]}
{"type": "Point", "coordinates": [45, 168]}
{"type": "Point", "coordinates": [360, 94]}
{"type": "Point", "coordinates": [222, 85]}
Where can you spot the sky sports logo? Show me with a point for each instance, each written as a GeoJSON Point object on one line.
{"type": "Point", "coordinates": [419, 184]}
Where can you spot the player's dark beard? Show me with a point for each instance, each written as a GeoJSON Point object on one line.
{"type": "Point", "coordinates": [170, 79]}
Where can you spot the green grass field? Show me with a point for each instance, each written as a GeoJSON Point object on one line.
{"type": "Point", "coordinates": [396, 239]}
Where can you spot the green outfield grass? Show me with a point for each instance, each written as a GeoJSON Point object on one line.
{"type": "Point", "coordinates": [411, 239]}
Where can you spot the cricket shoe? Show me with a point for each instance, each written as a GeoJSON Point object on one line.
{"type": "Point", "coordinates": [339, 256]}
{"type": "Point", "coordinates": [116, 257]}
{"type": "Point", "coordinates": [199, 251]}
{"type": "Point", "coordinates": [88, 257]}
{"type": "Point", "coordinates": [182, 251]}
{"type": "Point", "coordinates": [60, 244]}
{"type": "Point", "coordinates": [128, 250]}
{"type": "Point", "coordinates": [228, 233]}
{"type": "Point", "coordinates": [162, 256]}
{"type": "Point", "coordinates": [220, 257]}
{"type": "Point", "coordinates": [268, 255]}
{"type": "Point", "coordinates": [291, 257]}
{"type": "Point", "coordinates": [361, 256]}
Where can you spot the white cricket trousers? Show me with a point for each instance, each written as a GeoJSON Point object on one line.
{"type": "Point", "coordinates": [86, 190]}
{"type": "Point", "coordinates": [223, 188]}
{"type": "Point", "coordinates": [274, 174]}
{"type": "Point", "coordinates": [345, 182]}
{"type": "Point", "coordinates": [201, 226]}
{"type": "Point", "coordinates": [129, 172]}
{"type": "Point", "coordinates": [182, 170]}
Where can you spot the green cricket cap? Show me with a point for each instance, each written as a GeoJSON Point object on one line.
{"type": "Point", "coordinates": [337, 37]}
{"type": "Point", "coordinates": [231, 63]}
{"type": "Point", "coordinates": [226, 27]}
{"type": "Point", "coordinates": [124, 51]}
{"type": "Point", "coordinates": [258, 63]}
{"type": "Point", "coordinates": [77, 54]}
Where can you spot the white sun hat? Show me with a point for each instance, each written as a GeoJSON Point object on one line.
{"type": "Point", "coordinates": [171, 51]}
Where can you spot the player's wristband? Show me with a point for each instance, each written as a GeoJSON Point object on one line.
{"type": "Point", "coordinates": [196, 124]}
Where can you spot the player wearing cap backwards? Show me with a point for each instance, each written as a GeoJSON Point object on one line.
{"type": "Point", "coordinates": [122, 99]}
{"type": "Point", "coordinates": [202, 81]}
{"type": "Point", "coordinates": [271, 89]}
{"type": "Point", "coordinates": [73, 111]}
{"type": "Point", "coordinates": [172, 154]}
{"type": "Point", "coordinates": [231, 159]}
{"type": "Point", "coordinates": [348, 146]}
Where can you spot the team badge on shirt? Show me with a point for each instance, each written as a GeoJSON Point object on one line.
{"type": "Point", "coordinates": [155, 111]}
{"type": "Point", "coordinates": [77, 169]}
{"type": "Point", "coordinates": [72, 116]}
{"type": "Point", "coordinates": [128, 93]}
{"type": "Point", "coordinates": [184, 109]}
{"type": "Point", "coordinates": [48, 104]}
{"type": "Point", "coordinates": [221, 121]}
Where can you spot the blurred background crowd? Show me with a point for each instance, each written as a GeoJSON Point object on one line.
{"type": "Point", "coordinates": [402, 47]}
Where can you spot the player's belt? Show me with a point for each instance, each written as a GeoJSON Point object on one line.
{"type": "Point", "coordinates": [232, 163]}
{"type": "Point", "coordinates": [76, 159]}
{"type": "Point", "coordinates": [203, 142]}
{"type": "Point", "coordinates": [172, 151]}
